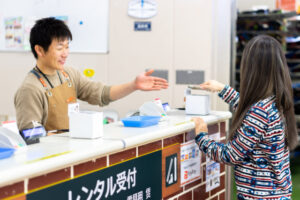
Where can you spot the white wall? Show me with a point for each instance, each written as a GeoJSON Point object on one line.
{"type": "Point", "coordinates": [221, 46]}
{"type": "Point", "coordinates": [186, 34]}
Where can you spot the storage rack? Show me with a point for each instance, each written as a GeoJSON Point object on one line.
{"type": "Point", "coordinates": [251, 24]}
{"type": "Point", "coordinates": [283, 26]}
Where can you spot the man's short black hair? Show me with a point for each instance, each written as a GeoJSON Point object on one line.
{"type": "Point", "coordinates": [47, 29]}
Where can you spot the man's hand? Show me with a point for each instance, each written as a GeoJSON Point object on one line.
{"type": "Point", "coordinates": [146, 82]}
{"type": "Point", "coordinates": [200, 125]}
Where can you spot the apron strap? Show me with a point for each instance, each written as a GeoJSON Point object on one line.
{"type": "Point", "coordinates": [67, 78]}
{"type": "Point", "coordinates": [42, 81]}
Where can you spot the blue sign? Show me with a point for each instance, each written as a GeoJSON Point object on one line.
{"type": "Point", "coordinates": [139, 178]}
{"type": "Point", "coordinates": [142, 26]}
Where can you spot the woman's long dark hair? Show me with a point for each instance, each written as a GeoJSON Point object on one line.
{"type": "Point", "coordinates": [264, 72]}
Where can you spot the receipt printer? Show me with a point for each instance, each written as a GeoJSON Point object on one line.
{"type": "Point", "coordinates": [86, 124]}
{"type": "Point", "coordinates": [197, 103]}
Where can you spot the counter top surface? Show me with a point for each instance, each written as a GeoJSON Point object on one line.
{"type": "Point", "coordinates": [176, 122]}
{"type": "Point", "coordinates": [59, 151]}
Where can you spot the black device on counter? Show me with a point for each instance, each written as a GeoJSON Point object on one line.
{"type": "Point", "coordinates": [32, 135]}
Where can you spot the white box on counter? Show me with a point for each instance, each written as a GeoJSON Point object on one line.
{"type": "Point", "coordinates": [197, 104]}
{"type": "Point", "coordinates": [86, 124]}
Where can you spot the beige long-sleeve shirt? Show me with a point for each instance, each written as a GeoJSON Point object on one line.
{"type": "Point", "coordinates": [31, 102]}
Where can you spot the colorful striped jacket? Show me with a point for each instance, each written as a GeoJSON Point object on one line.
{"type": "Point", "coordinates": [257, 151]}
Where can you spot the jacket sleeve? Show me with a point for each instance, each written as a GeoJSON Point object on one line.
{"type": "Point", "coordinates": [230, 96]}
{"type": "Point", "coordinates": [88, 90]}
{"type": "Point", "coordinates": [246, 138]}
{"type": "Point", "coordinates": [30, 105]}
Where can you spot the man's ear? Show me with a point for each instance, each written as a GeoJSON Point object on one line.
{"type": "Point", "coordinates": [39, 50]}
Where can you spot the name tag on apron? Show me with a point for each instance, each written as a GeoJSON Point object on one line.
{"type": "Point", "coordinates": [73, 108]}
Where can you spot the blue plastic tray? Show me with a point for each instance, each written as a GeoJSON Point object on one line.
{"type": "Point", "coordinates": [6, 152]}
{"type": "Point", "coordinates": [140, 121]}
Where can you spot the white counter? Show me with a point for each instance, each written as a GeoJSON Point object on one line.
{"type": "Point", "coordinates": [57, 151]}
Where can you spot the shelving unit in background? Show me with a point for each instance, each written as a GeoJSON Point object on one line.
{"type": "Point", "coordinates": [251, 24]}
{"type": "Point", "coordinates": [293, 60]}
{"type": "Point", "coordinates": [283, 26]}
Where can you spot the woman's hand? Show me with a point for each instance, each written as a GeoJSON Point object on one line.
{"type": "Point", "coordinates": [212, 86]}
{"type": "Point", "coordinates": [200, 125]}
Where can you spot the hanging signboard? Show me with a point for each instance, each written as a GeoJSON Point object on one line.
{"type": "Point", "coordinates": [190, 162]}
{"type": "Point", "coordinates": [212, 168]}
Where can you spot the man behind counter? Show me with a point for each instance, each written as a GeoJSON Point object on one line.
{"type": "Point", "coordinates": [49, 87]}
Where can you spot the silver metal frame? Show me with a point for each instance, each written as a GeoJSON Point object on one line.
{"type": "Point", "coordinates": [228, 178]}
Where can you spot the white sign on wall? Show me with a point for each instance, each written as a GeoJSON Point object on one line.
{"type": "Point", "coordinates": [190, 162]}
{"type": "Point", "coordinates": [87, 20]}
{"type": "Point", "coordinates": [212, 176]}
{"type": "Point", "coordinates": [212, 168]}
